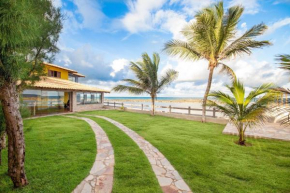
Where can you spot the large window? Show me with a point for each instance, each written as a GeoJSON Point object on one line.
{"type": "Point", "coordinates": [46, 102]}
{"type": "Point", "coordinates": [88, 98]}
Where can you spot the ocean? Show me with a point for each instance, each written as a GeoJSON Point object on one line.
{"type": "Point", "coordinates": [158, 98]}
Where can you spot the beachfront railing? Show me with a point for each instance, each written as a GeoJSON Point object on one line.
{"type": "Point", "coordinates": [142, 107]}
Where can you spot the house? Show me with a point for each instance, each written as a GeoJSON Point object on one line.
{"type": "Point", "coordinates": [60, 91]}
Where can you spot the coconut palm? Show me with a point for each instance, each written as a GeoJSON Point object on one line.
{"type": "Point", "coordinates": [243, 111]}
{"type": "Point", "coordinates": [213, 36]}
{"type": "Point", "coordinates": [283, 111]}
{"type": "Point", "coordinates": [147, 81]}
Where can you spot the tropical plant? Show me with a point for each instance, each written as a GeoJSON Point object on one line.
{"type": "Point", "coordinates": [146, 72]}
{"type": "Point", "coordinates": [213, 36]}
{"type": "Point", "coordinates": [2, 133]}
{"type": "Point", "coordinates": [283, 111]}
{"type": "Point", "coordinates": [29, 30]}
{"type": "Point", "coordinates": [244, 111]}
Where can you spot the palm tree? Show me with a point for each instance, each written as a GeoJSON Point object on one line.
{"type": "Point", "coordinates": [213, 37]}
{"type": "Point", "coordinates": [244, 111]}
{"type": "Point", "coordinates": [146, 72]}
{"type": "Point", "coordinates": [283, 111]}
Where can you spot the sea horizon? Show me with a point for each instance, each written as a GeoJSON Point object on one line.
{"type": "Point", "coordinates": [144, 98]}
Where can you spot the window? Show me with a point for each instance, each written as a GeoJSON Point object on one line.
{"type": "Point", "coordinates": [88, 98]}
{"type": "Point", "coordinates": [52, 73]}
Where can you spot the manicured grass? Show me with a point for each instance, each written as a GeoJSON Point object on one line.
{"type": "Point", "coordinates": [210, 161]}
{"type": "Point", "coordinates": [60, 152]}
{"type": "Point", "coordinates": [132, 171]}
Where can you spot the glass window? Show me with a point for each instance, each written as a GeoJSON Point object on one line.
{"type": "Point", "coordinates": [52, 73]}
{"type": "Point", "coordinates": [80, 98]}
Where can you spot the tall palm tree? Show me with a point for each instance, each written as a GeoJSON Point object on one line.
{"type": "Point", "coordinates": [147, 81]}
{"type": "Point", "coordinates": [244, 111]}
{"type": "Point", "coordinates": [213, 37]}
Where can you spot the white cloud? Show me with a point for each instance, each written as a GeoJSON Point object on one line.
{"type": "Point", "coordinates": [56, 3]}
{"type": "Point", "coordinates": [91, 13]}
{"type": "Point", "coordinates": [251, 6]}
{"type": "Point", "coordinates": [119, 65]}
{"type": "Point", "coordinates": [191, 6]}
{"type": "Point", "coordinates": [139, 17]}
{"type": "Point", "coordinates": [170, 21]}
{"type": "Point", "coordinates": [272, 28]}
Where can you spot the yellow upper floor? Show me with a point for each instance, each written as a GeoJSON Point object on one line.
{"type": "Point", "coordinates": [56, 71]}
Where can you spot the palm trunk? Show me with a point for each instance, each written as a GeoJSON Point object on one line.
{"type": "Point", "coordinates": [14, 128]}
{"type": "Point", "coordinates": [211, 68]}
{"type": "Point", "coordinates": [153, 105]}
{"type": "Point", "coordinates": [241, 135]}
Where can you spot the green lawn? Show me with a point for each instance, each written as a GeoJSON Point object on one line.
{"type": "Point", "coordinates": [132, 171]}
{"type": "Point", "coordinates": [210, 161]}
{"type": "Point", "coordinates": [60, 152]}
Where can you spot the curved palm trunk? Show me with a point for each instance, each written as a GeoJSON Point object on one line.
{"type": "Point", "coordinates": [14, 128]}
{"type": "Point", "coordinates": [211, 68]}
{"type": "Point", "coordinates": [153, 105]}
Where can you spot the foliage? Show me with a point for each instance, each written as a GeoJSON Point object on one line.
{"type": "Point", "coordinates": [208, 160]}
{"type": "Point", "coordinates": [60, 154]}
{"type": "Point", "coordinates": [29, 30]}
{"type": "Point", "coordinates": [284, 61]}
{"type": "Point", "coordinates": [213, 36]}
{"type": "Point", "coordinates": [244, 111]}
{"type": "Point", "coordinates": [148, 81]}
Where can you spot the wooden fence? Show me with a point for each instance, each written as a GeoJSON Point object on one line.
{"type": "Point", "coordinates": [142, 107]}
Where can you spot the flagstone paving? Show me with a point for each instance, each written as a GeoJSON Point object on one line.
{"type": "Point", "coordinates": [100, 179]}
{"type": "Point", "coordinates": [168, 178]}
{"type": "Point", "coordinates": [267, 131]}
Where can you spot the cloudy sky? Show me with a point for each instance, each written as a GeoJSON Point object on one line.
{"type": "Point", "coordinates": [101, 37]}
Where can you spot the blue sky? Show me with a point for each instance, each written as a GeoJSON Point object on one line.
{"type": "Point", "coordinates": [101, 37]}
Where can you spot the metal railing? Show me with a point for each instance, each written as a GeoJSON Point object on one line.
{"type": "Point", "coordinates": [142, 107]}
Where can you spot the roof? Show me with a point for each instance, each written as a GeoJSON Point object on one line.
{"type": "Point", "coordinates": [61, 84]}
{"type": "Point", "coordinates": [69, 70]}
{"type": "Point", "coordinates": [79, 74]}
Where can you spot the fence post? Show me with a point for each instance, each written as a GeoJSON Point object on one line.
{"type": "Point", "coordinates": [169, 108]}
{"type": "Point", "coordinates": [142, 107]}
{"type": "Point", "coordinates": [213, 112]}
{"type": "Point", "coordinates": [123, 105]}
{"type": "Point", "coordinates": [114, 104]}
{"type": "Point", "coordinates": [189, 110]}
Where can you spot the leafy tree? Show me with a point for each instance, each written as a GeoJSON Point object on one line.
{"type": "Point", "coordinates": [146, 72]}
{"type": "Point", "coordinates": [29, 30]}
{"type": "Point", "coordinates": [244, 111]}
{"type": "Point", "coordinates": [213, 37]}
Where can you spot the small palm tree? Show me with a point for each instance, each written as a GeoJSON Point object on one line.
{"type": "Point", "coordinates": [146, 72]}
{"type": "Point", "coordinates": [213, 37]}
{"type": "Point", "coordinates": [244, 111]}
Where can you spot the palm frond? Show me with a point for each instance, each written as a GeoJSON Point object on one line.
{"type": "Point", "coordinates": [170, 75]}
{"type": "Point", "coordinates": [226, 69]}
{"type": "Point", "coordinates": [130, 89]}
{"type": "Point", "coordinates": [181, 49]}
{"type": "Point", "coordinates": [284, 61]}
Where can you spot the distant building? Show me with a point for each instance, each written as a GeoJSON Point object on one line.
{"type": "Point", "coordinates": [60, 91]}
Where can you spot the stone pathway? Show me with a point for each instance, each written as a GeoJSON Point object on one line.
{"type": "Point", "coordinates": [100, 179]}
{"type": "Point", "coordinates": [168, 178]}
{"type": "Point", "coordinates": [267, 131]}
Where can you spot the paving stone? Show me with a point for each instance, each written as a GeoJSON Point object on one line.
{"type": "Point", "coordinates": [100, 179]}
{"type": "Point", "coordinates": [163, 181]}
{"type": "Point", "coordinates": [164, 171]}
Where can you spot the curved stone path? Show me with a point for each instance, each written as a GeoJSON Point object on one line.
{"type": "Point", "coordinates": [100, 179]}
{"type": "Point", "coordinates": [168, 178]}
